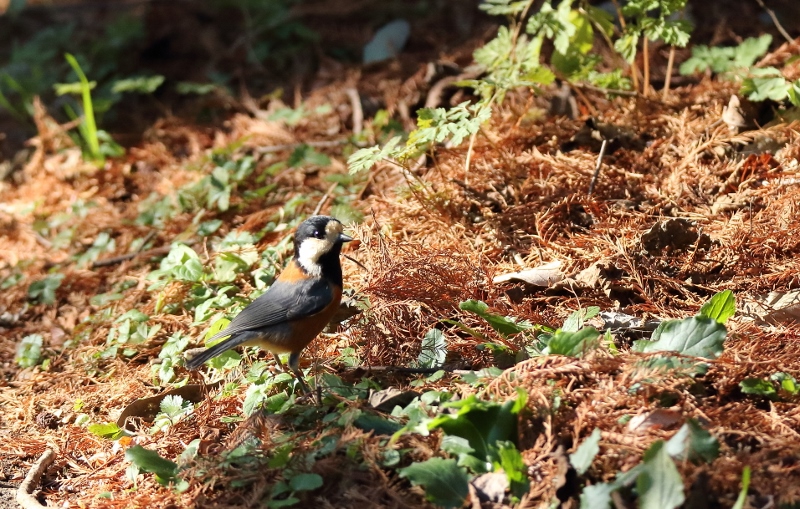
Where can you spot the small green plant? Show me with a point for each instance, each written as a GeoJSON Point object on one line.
{"type": "Point", "coordinates": [658, 482]}
{"type": "Point", "coordinates": [170, 357]}
{"type": "Point", "coordinates": [480, 435]}
{"type": "Point", "coordinates": [29, 351]}
{"type": "Point", "coordinates": [132, 330]}
{"type": "Point", "coordinates": [44, 290]}
{"type": "Point", "coordinates": [172, 409]}
{"type": "Point", "coordinates": [786, 388]}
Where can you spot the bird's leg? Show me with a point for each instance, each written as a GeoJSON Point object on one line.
{"type": "Point", "coordinates": [294, 365]}
{"type": "Point", "coordinates": [278, 361]}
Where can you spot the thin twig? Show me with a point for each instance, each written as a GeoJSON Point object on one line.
{"type": "Point", "coordinates": [129, 256]}
{"type": "Point", "coordinates": [668, 77]}
{"type": "Point", "coordinates": [324, 198]}
{"type": "Point", "coordinates": [25, 491]}
{"type": "Point", "coordinates": [597, 168]}
{"type": "Point", "coordinates": [358, 111]}
{"type": "Point", "coordinates": [315, 144]}
{"type": "Point", "coordinates": [777, 23]}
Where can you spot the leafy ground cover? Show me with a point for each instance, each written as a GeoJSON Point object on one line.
{"type": "Point", "coordinates": [510, 337]}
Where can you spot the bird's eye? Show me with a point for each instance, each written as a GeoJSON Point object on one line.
{"type": "Point", "coordinates": [318, 234]}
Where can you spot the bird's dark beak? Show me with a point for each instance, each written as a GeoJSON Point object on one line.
{"type": "Point", "coordinates": [345, 238]}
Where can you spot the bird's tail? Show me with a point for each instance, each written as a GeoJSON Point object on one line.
{"type": "Point", "coordinates": [199, 359]}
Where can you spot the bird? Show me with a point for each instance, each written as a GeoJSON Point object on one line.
{"type": "Point", "coordinates": [298, 305]}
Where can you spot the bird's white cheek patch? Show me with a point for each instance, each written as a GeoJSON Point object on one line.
{"type": "Point", "coordinates": [309, 254]}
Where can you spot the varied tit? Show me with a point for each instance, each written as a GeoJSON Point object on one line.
{"type": "Point", "coordinates": [298, 305]}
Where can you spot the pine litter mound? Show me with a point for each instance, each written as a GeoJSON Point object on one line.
{"type": "Point", "coordinates": [521, 204]}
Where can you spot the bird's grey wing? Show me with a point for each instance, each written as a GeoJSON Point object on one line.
{"type": "Point", "coordinates": [281, 303]}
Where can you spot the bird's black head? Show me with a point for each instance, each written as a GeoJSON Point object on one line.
{"type": "Point", "coordinates": [318, 242]}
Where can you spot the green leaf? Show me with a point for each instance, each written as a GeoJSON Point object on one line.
{"type": "Point", "coordinates": [758, 387]}
{"type": "Point", "coordinates": [693, 442]}
{"type": "Point", "coordinates": [794, 93]}
{"type": "Point", "coordinates": [434, 349]}
{"type": "Point", "coordinates": [44, 290]}
{"type": "Point", "coordinates": [761, 89]}
{"type": "Point", "coordinates": [750, 50]}
{"type": "Point", "coordinates": [741, 500]}
{"type": "Point", "coordinates": [583, 456]}
{"type": "Point", "coordinates": [787, 381]}
{"type": "Point", "coordinates": [576, 319]}
{"type": "Point", "coordinates": [445, 483]}
{"type": "Point", "coordinates": [134, 315]}
{"type": "Point", "coordinates": [509, 460]}
{"type": "Point", "coordinates": [660, 485]}
{"type": "Point", "coordinates": [150, 461]}
{"type": "Point", "coordinates": [573, 344]}
{"type": "Point", "coordinates": [108, 430]}
{"type": "Point", "coordinates": [305, 482]}
{"type": "Point", "coordinates": [501, 324]}
{"type": "Point", "coordinates": [29, 351]}
{"type": "Point", "coordinates": [138, 84]}
{"type": "Point", "coordinates": [597, 496]}
{"type": "Point", "coordinates": [695, 336]}
{"type": "Point", "coordinates": [482, 423]}
{"type": "Point", "coordinates": [721, 307]}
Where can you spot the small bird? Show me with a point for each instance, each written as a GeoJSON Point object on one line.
{"type": "Point", "coordinates": [298, 305]}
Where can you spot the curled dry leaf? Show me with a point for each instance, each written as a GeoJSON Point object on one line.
{"type": "Point", "coordinates": [657, 419]}
{"type": "Point", "coordinates": [543, 275]}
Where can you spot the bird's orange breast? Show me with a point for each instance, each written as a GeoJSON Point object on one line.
{"type": "Point", "coordinates": [304, 330]}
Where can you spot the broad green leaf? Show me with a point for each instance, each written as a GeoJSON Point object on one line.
{"type": "Point", "coordinates": [509, 460]}
{"type": "Point", "coordinates": [573, 344]}
{"type": "Point", "coordinates": [482, 423]}
{"type": "Point", "coordinates": [503, 325]}
{"type": "Point", "coordinates": [150, 461]}
{"type": "Point", "coordinates": [445, 483]}
{"type": "Point", "coordinates": [659, 485]}
{"type": "Point", "coordinates": [583, 456]}
{"type": "Point", "coordinates": [693, 442]}
{"type": "Point", "coordinates": [695, 336]}
{"type": "Point", "coordinates": [721, 307]}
